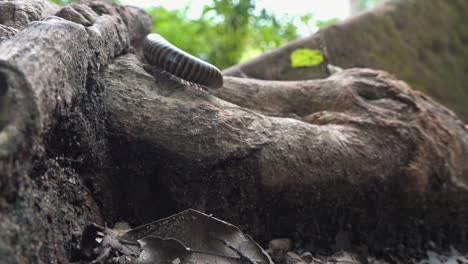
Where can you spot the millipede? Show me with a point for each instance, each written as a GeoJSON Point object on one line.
{"type": "Point", "coordinates": [160, 52]}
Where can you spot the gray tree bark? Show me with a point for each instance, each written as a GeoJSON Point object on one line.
{"type": "Point", "coordinates": [89, 132]}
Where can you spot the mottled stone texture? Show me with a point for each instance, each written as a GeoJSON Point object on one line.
{"type": "Point", "coordinates": [423, 42]}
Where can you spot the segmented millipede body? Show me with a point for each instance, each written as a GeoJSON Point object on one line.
{"type": "Point", "coordinates": [162, 53]}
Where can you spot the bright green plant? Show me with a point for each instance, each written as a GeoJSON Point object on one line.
{"type": "Point", "coordinates": [306, 58]}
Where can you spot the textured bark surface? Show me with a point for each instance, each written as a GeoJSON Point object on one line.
{"type": "Point", "coordinates": [359, 151]}
{"type": "Point", "coordinates": [88, 134]}
{"type": "Point", "coordinates": [424, 43]}
{"type": "Point", "coordinates": [6, 32]}
{"type": "Point", "coordinates": [18, 13]}
{"type": "Point", "coordinates": [15, 14]}
{"type": "Point", "coordinates": [49, 107]}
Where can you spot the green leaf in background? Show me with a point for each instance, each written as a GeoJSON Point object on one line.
{"type": "Point", "coordinates": [230, 31]}
{"type": "Point", "coordinates": [326, 22]}
{"type": "Point", "coordinates": [226, 32]}
{"type": "Point", "coordinates": [306, 58]}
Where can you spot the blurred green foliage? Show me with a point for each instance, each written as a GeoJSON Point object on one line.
{"type": "Point", "coordinates": [61, 2]}
{"type": "Point", "coordinates": [228, 31]}
{"type": "Point", "coordinates": [323, 23]}
{"type": "Point", "coordinates": [366, 4]}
